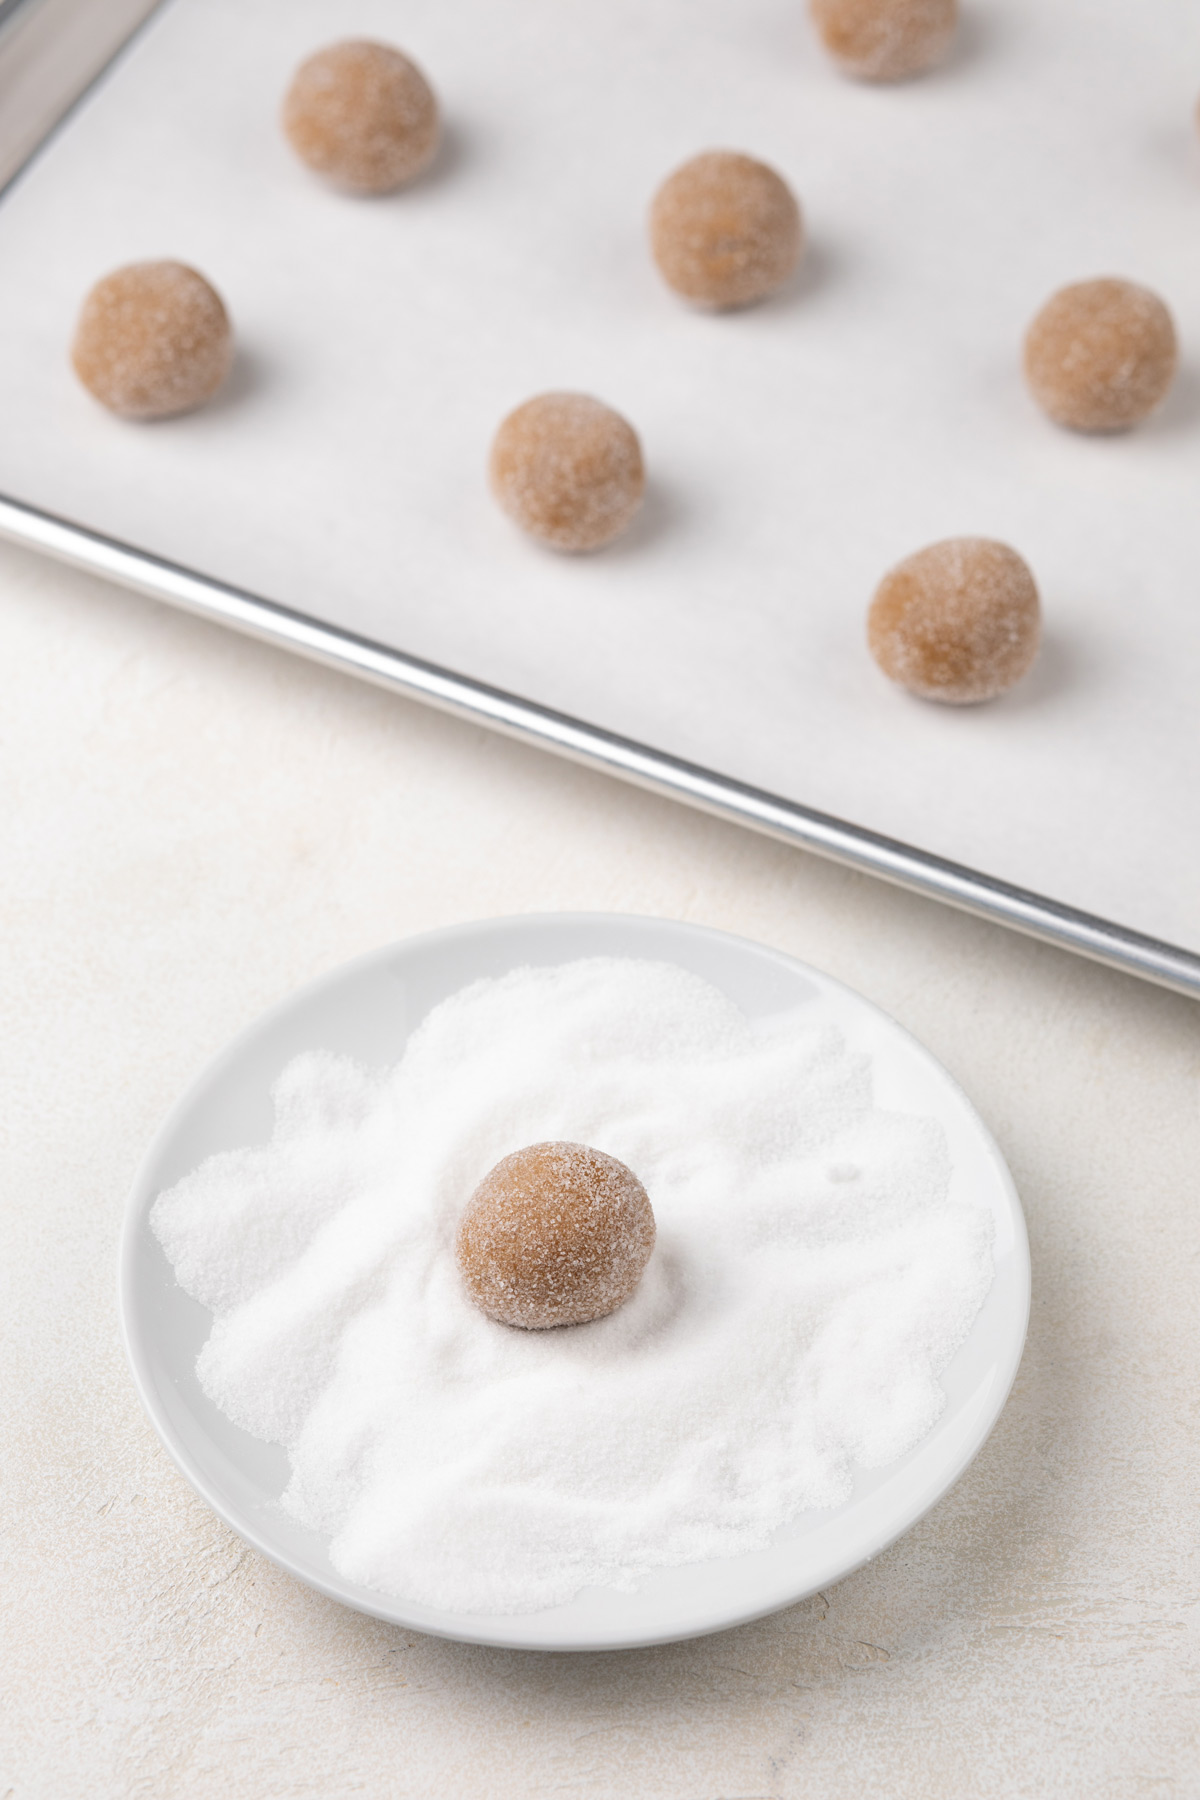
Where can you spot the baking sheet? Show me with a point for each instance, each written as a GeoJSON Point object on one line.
{"type": "Point", "coordinates": [795, 450]}
{"type": "Point", "coordinates": [50, 51]}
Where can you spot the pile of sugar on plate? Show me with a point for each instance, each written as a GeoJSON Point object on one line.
{"type": "Point", "coordinates": [812, 1278]}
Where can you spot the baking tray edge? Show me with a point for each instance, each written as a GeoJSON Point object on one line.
{"type": "Point", "coordinates": [656, 770]}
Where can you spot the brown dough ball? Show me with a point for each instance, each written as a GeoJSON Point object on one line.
{"type": "Point", "coordinates": [959, 621]}
{"type": "Point", "coordinates": [568, 470]}
{"type": "Point", "coordinates": [556, 1234]}
{"type": "Point", "coordinates": [885, 40]}
{"type": "Point", "coordinates": [363, 115]}
{"type": "Point", "coordinates": [153, 339]}
{"type": "Point", "coordinates": [725, 230]}
{"type": "Point", "coordinates": [1101, 355]}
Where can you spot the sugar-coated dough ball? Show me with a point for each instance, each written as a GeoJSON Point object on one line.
{"type": "Point", "coordinates": [363, 115]}
{"type": "Point", "coordinates": [959, 621]}
{"type": "Point", "coordinates": [568, 470]}
{"type": "Point", "coordinates": [556, 1234]}
{"type": "Point", "coordinates": [725, 230]}
{"type": "Point", "coordinates": [1101, 355]}
{"type": "Point", "coordinates": [153, 339]}
{"type": "Point", "coordinates": [885, 40]}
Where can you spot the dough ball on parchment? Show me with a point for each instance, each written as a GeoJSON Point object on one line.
{"type": "Point", "coordinates": [725, 230]}
{"type": "Point", "coordinates": [1101, 355]}
{"type": "Point", "coordinates": [959, 621]}
{"type": "Point", "coordinates": [153, 339]}
{"type": "Point", "coordinates": [568, 470]}
{"type": "Point", "coordinates": [885, 40]}
{"type": "Point", "coordinates": [362, 115]}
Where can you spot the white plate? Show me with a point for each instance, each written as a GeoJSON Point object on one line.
{"type": "Point", "coordinates": [367, 1010]}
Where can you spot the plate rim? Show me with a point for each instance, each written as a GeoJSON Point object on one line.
{"type": "Point", "coordinates": [399, 1613]}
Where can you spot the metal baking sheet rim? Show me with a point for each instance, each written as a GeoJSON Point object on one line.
{"type": "Point", "coordinates": [1167, 965]}
{"type": "Point", "coordinates": [656, 770]}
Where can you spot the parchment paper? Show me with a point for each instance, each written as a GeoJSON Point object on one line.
{"type": "Point", "coordinates": [796, 450]}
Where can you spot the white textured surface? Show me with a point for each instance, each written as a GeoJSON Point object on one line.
{"type": "Point", "coordinates": [795, 451]}
{"type": "Point", "coordinates": [192, 826]}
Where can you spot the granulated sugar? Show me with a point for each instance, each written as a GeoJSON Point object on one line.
{"type": "Point", "coordinates": [811, 1280]}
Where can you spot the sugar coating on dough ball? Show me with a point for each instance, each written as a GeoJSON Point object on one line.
{"type": "Point", "coordinates": [362, 115]}
{"type": "Point", "coordinates": [568, 470]}
{"type": "Point", "coordinates": [959, 621]}
{"type": "Point", "coordinates": [556, 1234]}
{"type": "Point", "coordinates": [1101, 355]}
{"type": "Point", "coordinates": [885, 40]}
{"type": "Point", "coordinates": [153, 339]}
{"type": "Point", "coordinates": [725, 230]}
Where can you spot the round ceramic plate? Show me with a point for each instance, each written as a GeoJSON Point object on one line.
{"type": "Point", "coordinates": [367, 1010]}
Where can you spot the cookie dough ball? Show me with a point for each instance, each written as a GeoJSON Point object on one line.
{"type": "Point", "coordinates": [568, 470]}
{"type": "Point", "coordinates": [885, 40]}
{"type": "Point", "coordinates": [555, 1235]}
{"type": "Point", "coordinates": [725, 230]}
{"type": "Point", "coordinates": [959, 621]}
{"type": "Point", "coordinates": [153, 339]}
{"type": "Point", "coordinates": [1101, 355]}
{"type": "Point", "coordinates": [363, 115]}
